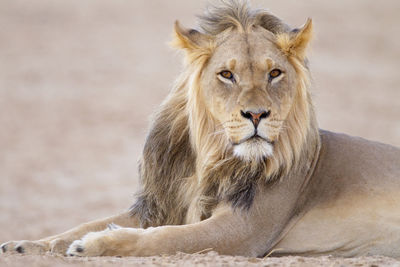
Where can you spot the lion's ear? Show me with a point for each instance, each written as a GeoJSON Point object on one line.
{"type": "Point", "coordinates": [194, 42]}
{"type": "Point", "coordinates": [295, 42]}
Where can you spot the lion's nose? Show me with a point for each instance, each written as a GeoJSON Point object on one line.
{"type": "Point", "coordinates": [255, 117]}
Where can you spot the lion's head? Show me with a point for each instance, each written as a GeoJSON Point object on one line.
{"type": "Point", "coordinates": [247, 88]}
{"type": "Point", "coordinates": [241, 111]}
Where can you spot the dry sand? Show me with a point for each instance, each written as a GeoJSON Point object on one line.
{"type": "Point", "coordinates": [79, 80]}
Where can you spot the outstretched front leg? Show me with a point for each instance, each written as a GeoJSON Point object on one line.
{"type": "Point", "coordinates": [231, 231]}
{"type": "Point", "coordinates": [225, 233]}
{"type": "Point", "coordinates": [60, 243]}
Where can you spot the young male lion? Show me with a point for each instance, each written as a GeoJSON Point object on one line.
{"type": "Point", "coordinates": [234, 160]}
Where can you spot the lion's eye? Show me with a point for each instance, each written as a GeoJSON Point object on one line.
{"type": "Point", "coordinates": [226, 74]}
{"type": "Point", "coordinates": [275, 73]}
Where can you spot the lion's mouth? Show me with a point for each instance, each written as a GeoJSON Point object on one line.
{"type": "Point", "coordinates": [254, 138]}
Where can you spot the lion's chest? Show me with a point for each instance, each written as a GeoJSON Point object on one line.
{"type": "Point", "coordinates": [198, 210]}
{"type": "Point", "coordinates": [199, 206]}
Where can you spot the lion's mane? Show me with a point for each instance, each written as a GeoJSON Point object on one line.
{"type": "Point", "coordinates": [187, 159]}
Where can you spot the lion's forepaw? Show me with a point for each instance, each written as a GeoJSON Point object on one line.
{"type": "Point", "coordinates": [24, 247]}
{"type": "Point", "coordinates": [92, 244]}
{"type": "Point", "coordinates": [114, 241]}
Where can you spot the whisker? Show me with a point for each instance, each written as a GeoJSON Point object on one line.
{"type": "Point", "coordinates": [217, 132]}
{"type": "Point", "coordinates": [274, 122]}
{"type": "Point", "coordinates": [222, 124]}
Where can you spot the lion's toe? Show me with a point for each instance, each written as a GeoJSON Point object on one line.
{"type": "Point", "coordinates": [20, 249]}
{"type": "Point", "coordinates": [77, 248]}
{"type": "Point", "coordinates": [92, 244]}
{"type": "Point", "coordinates": [31, 247]}
{"type": "Point", "coordinates": [3, 248]}
{"type": "Point", "coordinates": [9, 247]}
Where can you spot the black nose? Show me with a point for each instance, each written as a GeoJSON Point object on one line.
{"type": "Point", "coordinates": [255, 117]}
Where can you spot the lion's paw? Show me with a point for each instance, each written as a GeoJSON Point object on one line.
{"type": "Point", "coordinates": [110, 242]}
{"type": "Point", "coordinates": [77, 248]}
{"type": "Point", "coordinates": [92, 244]}
{"type": "Point", "coordinates": [24, 246]}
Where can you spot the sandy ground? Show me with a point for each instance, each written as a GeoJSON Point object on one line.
{"type": "Point", "coordinates": [79, 80]}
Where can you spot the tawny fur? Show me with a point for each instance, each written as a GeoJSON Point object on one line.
{"type": "Point", "coordinates": [305, 191]}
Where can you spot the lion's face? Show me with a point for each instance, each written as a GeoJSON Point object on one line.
{"type": "Point", "coordinates": [248, 86]}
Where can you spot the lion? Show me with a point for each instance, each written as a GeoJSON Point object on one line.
{"type": "Point", "coordinates": [235, 162]}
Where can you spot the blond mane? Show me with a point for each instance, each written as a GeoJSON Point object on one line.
{"type": "Point", "coordinates": [186, 157]}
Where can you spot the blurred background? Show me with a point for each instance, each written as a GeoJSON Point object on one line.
{"type": "Point", "coordinates": [79, 80]}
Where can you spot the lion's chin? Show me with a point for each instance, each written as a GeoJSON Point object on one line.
{"type": "Point", "coordinates": [253, 150]}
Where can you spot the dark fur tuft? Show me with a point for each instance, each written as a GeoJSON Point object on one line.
{"type": "Point", "coordinates": [167, 160]}
{"type": "Point", "coordinates": [242, 195]}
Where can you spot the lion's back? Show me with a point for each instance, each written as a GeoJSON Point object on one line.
{"type": "Point", "coordinates": [351, 161]}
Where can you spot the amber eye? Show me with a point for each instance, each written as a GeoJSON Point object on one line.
{"type": "Point", "coordinates": [226, 74]}
{"type": "Point", "coordinates": [275, 73]}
